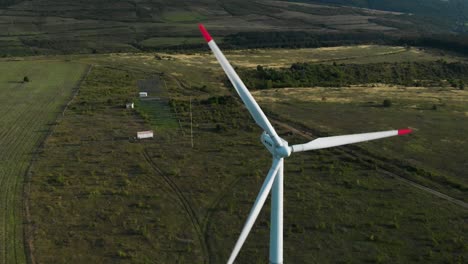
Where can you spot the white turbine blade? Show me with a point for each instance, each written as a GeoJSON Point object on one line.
{"type": "Point", "coordinates": [328, 142]}
{"type": "Point", "coordinates": [243, 92]}
{"type": "Point", "coordinates": [261, 198]}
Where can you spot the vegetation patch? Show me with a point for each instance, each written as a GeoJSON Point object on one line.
{"type": "Point", "coordinates": [404, 73]}
{"type": "Point", "coordinates": [157, 113]}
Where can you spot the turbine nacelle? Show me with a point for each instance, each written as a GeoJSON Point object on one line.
{"type": "Point", "coordinates": [277, 151]}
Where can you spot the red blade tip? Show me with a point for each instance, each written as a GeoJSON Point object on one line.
{"type": "Point", "coordinates": [205, 33]}
{"type": "Point", "coordinates": [404, 131]}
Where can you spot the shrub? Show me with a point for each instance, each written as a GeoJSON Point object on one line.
{"type": "Point", "coordinates": [25, 79]}
{"type": "Point", "coordinates": [452, 83]}
{"type": "Point", "coordinates": [122, 254]}
{"type": "Point", "coordinates": [220, 127]}
{"type": "Point", "coordinates": [387, 103]}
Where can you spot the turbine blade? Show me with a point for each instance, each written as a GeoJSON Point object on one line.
{"type": "Point", "coordinates": [328, 142]}
{"type": "Point", "coordinates": [261, 198]}
{"type": "Point", "coordinates": [243, 92]}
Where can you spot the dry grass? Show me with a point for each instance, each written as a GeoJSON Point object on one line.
{"type": "Point", "coordinates": [362, 94]}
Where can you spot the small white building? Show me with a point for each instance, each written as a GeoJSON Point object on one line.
{"type": "Point", "coordinates": [145, 134]}
{"type": "Point", "coordinates": [129, 105]}
{"type": "Point", "coordinates": [143, 94]}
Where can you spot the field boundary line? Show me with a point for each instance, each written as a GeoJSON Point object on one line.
{"type": "Point", "coordinates": [307, 135]}
{"type": "Point", "coordinates": [28, 228]}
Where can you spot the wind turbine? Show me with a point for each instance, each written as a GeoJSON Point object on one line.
{"type": "Point", "coordinates": [279, 149]}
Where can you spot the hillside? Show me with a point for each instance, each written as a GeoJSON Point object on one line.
{"type": "Point", "coordinates": [413, 6]}
{"type": "Point", "coordinates": [65, 26]}
{"type": "Point", "coordinates": [97, 196]}
{"type": "Point", "coordinates": [451, 13]}
{"type": "Point", "coordinates": [77, 186]}
{"type": "Point", "coordinates": [5, 3]}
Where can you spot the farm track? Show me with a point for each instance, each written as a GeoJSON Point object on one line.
{"type": "Point", "coordinates": [360, 57]}
{"type": "Point", "coordinates": [367, 160]}
{"type": "Point", "coordinates": [209, 213]}
{"type": "Point", "coordinates": [184, 201]}
{"type": "Point", "coordinates": [203, 227]}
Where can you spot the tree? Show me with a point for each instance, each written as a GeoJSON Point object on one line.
{"type": "Point", "coordinates": [25, 79]}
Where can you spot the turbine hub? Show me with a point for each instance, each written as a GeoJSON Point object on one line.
{"type": "Point", "coordinates": [277, 151]}
{"type": "Point", "coordinates": [283, 151]}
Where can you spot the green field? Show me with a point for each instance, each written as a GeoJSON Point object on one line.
{"type": "Point", "coordinates": [27, 114]}
{"type": "Point", "coordinates": [98, 196]}
{"type": "Point", "coordinates": [157, 113]}
{"type": "Point", "coordinates": [438, 116]}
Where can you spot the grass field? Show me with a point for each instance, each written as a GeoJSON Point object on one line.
{"type": "Point", "coordinates": [90, 161]}
{"type": "Point", "coordinates": [27, 113]}
{"type": "Point", "coordinates": [438, 116]}
{"type": "Point", "coordinates": [98, 196]}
